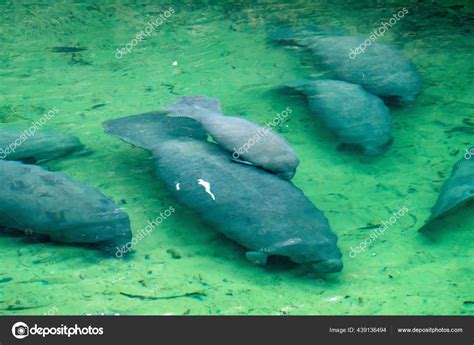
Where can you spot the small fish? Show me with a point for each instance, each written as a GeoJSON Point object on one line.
{"type": "Point", "coordinates": [198, 295]}
{"type": "Point", "coordinates": [97, 106]}
{"type": "Point", "coordinates": [67, 49]}
{"type": "Point", "coordinates": [469, 122]}
{"type": "Point", "coordinates": [462, 129]}
{"type": "Point", "coordinates": [368, 227]}
{"type": "Point", "coordinates": [170, 88]}
{"type": "Point", "coordinates": [14, 308]}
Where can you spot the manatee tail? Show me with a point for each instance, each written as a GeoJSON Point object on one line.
{"type": "Point", "coordinates": [150, 129]}
{"type": "Point", "coordinates": [195, 107]}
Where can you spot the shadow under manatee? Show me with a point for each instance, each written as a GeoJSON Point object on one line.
{"type": "Point", "coordinates": [94, 251]}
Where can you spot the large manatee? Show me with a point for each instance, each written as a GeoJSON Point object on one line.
{"type": "Point", "coordinates": [264, 213]}
{"type": "Point", "coordinates": [37, 201]}
{"type": "Point", "coordinates": [248, 141]}
{"type": "Point", "coordinates": [457, 190]}
{"type": "Point", "coordinates": [354, 115]}
{"type": "Point", "coordinates": [17, 144]}
{"type": "Point", "coordinates": [380, 69]}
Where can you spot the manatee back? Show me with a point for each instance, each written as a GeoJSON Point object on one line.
{"type": "Point", "coordinates": [353, 114]}
{"type": "Point", "coordinates": [381, 69]}
{"type": "Point", "coordinates": [247, 204]}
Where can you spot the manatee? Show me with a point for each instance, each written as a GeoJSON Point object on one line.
{"type": "Point", "coordinates": [456, 191]}
{"type": "Point", "coordinates": [17, 144]}
{"type": "Point", "coordinates": [381, 69]}
{"type": "Point", "coordinates": [248, 141]}
{"type": "Point", "coordinates": [264, 213]}
{"type": "Point", "coordinates": [357, 117]}
{"type": "Point", "coordinates": [40, 202]}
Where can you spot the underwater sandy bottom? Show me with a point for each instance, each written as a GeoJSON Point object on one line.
{"type": "Point", "coordinates": [222, 51]}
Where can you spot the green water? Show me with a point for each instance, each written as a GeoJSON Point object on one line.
{"type": "Point", "coordinates": [220, 49]}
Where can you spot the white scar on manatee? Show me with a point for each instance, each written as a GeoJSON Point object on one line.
{"type": "Point", "coordinates": [207, 187]}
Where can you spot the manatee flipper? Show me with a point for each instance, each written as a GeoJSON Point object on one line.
{"type": "Point", "coordinates": [257, 258]}
{"type": "Point", "coordinates": [456, 191]}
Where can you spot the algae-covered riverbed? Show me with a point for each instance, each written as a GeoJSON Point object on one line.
{"type": "Point", "coordinates": [63, 54]}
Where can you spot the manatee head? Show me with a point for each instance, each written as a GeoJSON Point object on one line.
{"type": "Point", "coordinates": [403, 88]}
{"type": "Point", "coordinates": [320, 254]}
{"type": "Point", "coordinates": [50, 146]}
{"type": "Point", "coordinates": [325, 266]}
{"type": "Point", "coordinates": [411, 85]}
{"type": "Point", "coordinates": [70, 143]}
{"type": "Point", "coordinates": [285, 165]}
{"type": "Point", "coordinates": [286, 175]}
{"type": "Point", "coordinates": [378, 146]}
{"type": "Point", "coordinates": [37, 147]}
